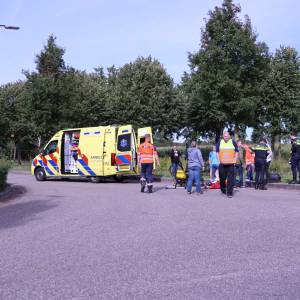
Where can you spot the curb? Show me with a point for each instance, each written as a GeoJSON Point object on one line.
{"type": "Point", "coordinates": [283, 186]}
{"type": "Point", "coordinates": [11, 192]}
{"type": "Point", "coordinates": [7, 193]}
{"type": "Point", "coordinates": [12, 171]}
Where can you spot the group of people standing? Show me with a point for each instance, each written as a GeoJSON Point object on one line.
{"type": "Point", "coordinates": [228, 161]}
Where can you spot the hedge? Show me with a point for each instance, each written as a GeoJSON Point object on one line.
{"type": "Point", "coordinates": [4, 167]}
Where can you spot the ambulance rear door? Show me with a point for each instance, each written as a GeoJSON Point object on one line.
{"type": "Point", "coordinates": [141, 134]}
{"type": "Point", "coordinates": [141, 137]}
{"type": "Point", "coordinates": [126, 155]}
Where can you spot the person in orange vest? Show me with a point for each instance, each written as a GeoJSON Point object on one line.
{"type": "Point", "coordinates": [227, 151]}
{"type": "Point", "coordinates": [249, 160]}
{"type": "Point", "coordinates": [146, 155]}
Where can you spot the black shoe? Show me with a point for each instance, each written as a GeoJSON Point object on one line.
{"type": "Point", "coordinates": [189, 193]}
{"type": "Point", "coordinates": [256, 186]}
{"type": "Point", "coordinates": [200, 193]}
{"type": "Point", "coordinates": [143, 185]}
{"type": "Point", "coordinates": [229, 196]}
{"type": "Point", "coordinates": [150, 189]}
{"type": "Point", "coordinates": [293, 182]}
{"type": "Point", "coordinates": [263, 188]}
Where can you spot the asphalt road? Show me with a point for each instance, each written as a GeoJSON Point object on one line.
{"type": "Point", "coordinates": [79, 240]}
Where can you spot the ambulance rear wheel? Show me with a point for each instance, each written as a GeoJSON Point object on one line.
{"type": "Point", "coordinates": [40, 174]}
{"type": "Point", "coordinates": [95, 179]}
{"type": "Point", "coordinates": [118, 178]}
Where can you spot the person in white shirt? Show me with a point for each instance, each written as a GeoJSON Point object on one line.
{"type": "Point", "coordinates": [269, 160]}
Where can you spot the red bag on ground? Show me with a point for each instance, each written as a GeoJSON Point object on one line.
{"type": "Point", "coordinates": [215, 185]}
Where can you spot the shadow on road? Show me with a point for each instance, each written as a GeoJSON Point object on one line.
{"type": "Point", "coordinates": [21, 213]}
{"type": "Point", "coordinates": [125, 180]}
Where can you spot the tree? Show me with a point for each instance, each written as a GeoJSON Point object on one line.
{"type": "Point", "coordinates": [223, 86]}
{"type": "Point", "coordinates": [142, 93]}
{"type": "Point", "coordinates": [46, 92]}
{"type": "Point", "coordinates": [16, 129]}
{"type": "Point", "coordinates": [86, 99]}
{"type": "Point", "coordinates": [50, 60]}
{"type": "Point", "coordinates": [280, 105]}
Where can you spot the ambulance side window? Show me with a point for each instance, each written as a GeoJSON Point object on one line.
{"type": "Point", "coordinates": [124, 142]}
{"type": "Point", "coordinates": [51, 148]}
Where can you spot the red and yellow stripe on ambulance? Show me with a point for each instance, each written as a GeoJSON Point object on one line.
{"type": "Point", "coordinates": [48, 162]}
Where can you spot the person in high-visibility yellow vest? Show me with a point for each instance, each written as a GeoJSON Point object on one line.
{"type": "Point", "coordinates": [261, 154]}
{"type": "Point", "coordinates": [227, 151]}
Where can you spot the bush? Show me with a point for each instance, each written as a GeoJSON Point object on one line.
{"type": "Point", "coordinates": [165, 151]}
{"type": "Point", "coordinates": [4, 167]}
{"type": "Point", "coordinates": [282, 167]}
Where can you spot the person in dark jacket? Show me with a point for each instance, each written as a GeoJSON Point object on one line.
{"type": "Point", "coordinates": [261, 153]}
{"type": "Point", "coordinates": [175, 155]}
{"type": "Point", "coordinates": [295, 158]}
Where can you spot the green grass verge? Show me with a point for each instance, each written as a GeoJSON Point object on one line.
{"type": "Point", "coordinates": [280, 165]}
{"type": "Point", "coordinates": [25, 166]}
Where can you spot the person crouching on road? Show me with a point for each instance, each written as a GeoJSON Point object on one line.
{"type": "Point", "coordinates": [175, 155]}
{"type": "Point", "coordinates": [228, 151]}
{"type": "Point", "coordinates": [261, 153]}
{"type": "Point", "coordinates": [146, 155]}
{"type": "Point", "coordinates": [195, 164]}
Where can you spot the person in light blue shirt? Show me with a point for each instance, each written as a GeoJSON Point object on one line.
{"type": "Point", "coordinates": [214, 165]}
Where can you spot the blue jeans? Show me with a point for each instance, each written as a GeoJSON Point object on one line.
{"type": "Point", "coordinates": [146, 172]}
{"type": "Point", "coordinates": [194, 175]}
{"type": "Point", "coordinates": [174, 168]}
{"type": "Point", "coordinates": [214, 169]}
{"type": "Point", "coordinates": [250, 172]}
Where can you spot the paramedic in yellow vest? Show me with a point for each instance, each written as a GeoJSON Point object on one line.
{"type": "Point", "coordinates": [227, 151]}
{"type": "Point", "coordinates": [146, 155]}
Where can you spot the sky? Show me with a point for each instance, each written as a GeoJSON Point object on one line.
{"type": "Point", "coordinates": [113, 32]}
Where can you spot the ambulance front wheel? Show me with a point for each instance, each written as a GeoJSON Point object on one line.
{"type": "Point", "coordinates": [40, 174]}
{"type": "Point", "coordinates": [95, 179]}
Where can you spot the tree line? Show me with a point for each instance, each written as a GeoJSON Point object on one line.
{"type": "Point", "coordinates": [234, 82]}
